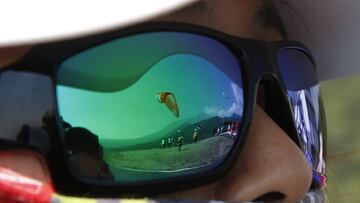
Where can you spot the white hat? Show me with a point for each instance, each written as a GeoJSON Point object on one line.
{"type": "Point", "coordinates": [330, 28]}
{"type": "Point", "coordinates": [43, 20]}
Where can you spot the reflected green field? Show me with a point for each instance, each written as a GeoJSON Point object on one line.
{"type": "Point", "coordinates": [342, 99]}
{"type": "Point", "coordinates": [205, 153]}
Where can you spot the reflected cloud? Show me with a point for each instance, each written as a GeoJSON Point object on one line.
{"type": "Point", "coordinates": [235, 108]}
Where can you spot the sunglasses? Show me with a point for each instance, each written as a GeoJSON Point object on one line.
{"type": "Point", "coordinates": [156, 107]}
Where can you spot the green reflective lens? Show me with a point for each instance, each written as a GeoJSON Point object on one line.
{"type": "Point", "coordinates": [151, 106]}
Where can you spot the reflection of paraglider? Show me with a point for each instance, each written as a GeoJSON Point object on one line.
{"type": "Point", "coordinates": [169, 100]}
{"type": "Point", "coordinates": [180, 140]}
{"type": "Point", "coordinates": [196, 133]}
{"type": "Point", "coordinates": [170, 141]}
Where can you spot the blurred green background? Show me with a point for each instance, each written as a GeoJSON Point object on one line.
{"type": "Point", "coordinates": [341, 100]}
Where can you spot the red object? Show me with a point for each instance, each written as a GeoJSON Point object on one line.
{"type": "Point", "coordinates": [19, 188]}
{"type": "Point", "coordinates": [323, 180]}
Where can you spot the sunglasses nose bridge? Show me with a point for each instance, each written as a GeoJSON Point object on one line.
{"type": "Point", "coordinates": [276, 103]}
{"type": "Point", "coordinates": [264, 74]}
{"type": "Point", "coordinates": [263, 67]}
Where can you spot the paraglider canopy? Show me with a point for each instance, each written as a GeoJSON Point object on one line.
{"type": "Point", "coordinates": [169, 100]}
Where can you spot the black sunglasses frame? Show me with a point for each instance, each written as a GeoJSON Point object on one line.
{"type": "Point", "coordinates": [257, 59]}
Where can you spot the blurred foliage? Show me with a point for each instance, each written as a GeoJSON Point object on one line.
{"type": "Point", "coordinates": [341, 100]}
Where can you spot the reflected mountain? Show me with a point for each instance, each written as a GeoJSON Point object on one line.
{"type": "Point", "coordinates": [208, 126]}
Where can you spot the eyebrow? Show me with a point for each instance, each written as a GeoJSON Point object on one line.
{"type": "Point", "coordinates": [267, 15]}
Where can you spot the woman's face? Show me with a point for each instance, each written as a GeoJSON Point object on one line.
{"type": "Point", "coordinates": [270, 167]}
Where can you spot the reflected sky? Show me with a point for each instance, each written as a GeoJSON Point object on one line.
{"type": "Point", "coordinates": [201, 89]}
{"type": "Point", "coordinates": [306, 111]}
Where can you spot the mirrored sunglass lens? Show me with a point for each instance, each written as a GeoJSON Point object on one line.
{"type": "Point", "coordinates": [299, 76]}
{"type": "Point", "coordinates": [150, 106]}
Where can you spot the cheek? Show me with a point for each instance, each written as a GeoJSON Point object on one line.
{"type": "Point", "coordinates": [26, 162]}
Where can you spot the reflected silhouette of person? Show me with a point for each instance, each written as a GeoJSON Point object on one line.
{"type": "Point", "coordinates": [180, 140]}
{"type": "Point", "coordinates": [196, 134]}
{"type": "Point", "coordinates": [85, 154]}
{"type": "Point", "coordinates": [170, 141]}
{"type": "Point", "coordinates": [50, 122]}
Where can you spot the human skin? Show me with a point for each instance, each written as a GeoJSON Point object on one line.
{"type": "Point", "coordinates": [270, 163]}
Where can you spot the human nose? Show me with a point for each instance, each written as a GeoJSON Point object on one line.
{"type": "Point", "coordinates": [271, 167]}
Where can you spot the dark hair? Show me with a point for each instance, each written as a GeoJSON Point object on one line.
{"type": "Point", "coordinates": [267, 15]}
